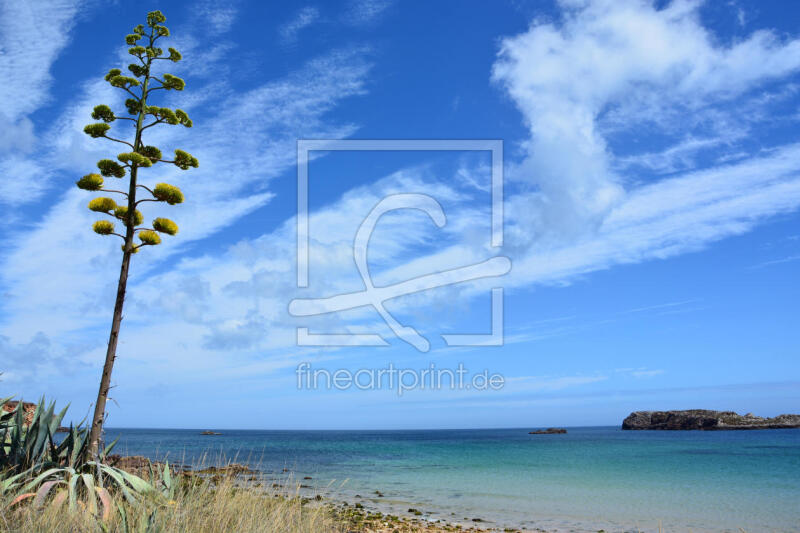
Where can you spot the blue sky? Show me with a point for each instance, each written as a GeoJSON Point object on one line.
{"type": "Point", "coordinates": [652, 186]}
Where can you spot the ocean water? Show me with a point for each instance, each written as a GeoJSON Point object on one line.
{"type": "Point", "coordinates": [589, 479]}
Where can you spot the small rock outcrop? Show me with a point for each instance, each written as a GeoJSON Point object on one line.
{"type": "Point", "coordinates": [28, 410]}
{"type": "Point", "coordinates": [209, 432]}
{"type": "Point", "coordinates": [548, 431]}
{"type": "Point", "coordinates": [705, 419]}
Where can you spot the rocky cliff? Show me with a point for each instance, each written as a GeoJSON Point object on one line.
{"type": "Point", "coordinates": [707, 420]}
{"type": "Point", "coordinates": [28, 408]}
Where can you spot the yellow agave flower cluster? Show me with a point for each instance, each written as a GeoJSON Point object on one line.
{"type": "Point", "coordinates": [143, 47]}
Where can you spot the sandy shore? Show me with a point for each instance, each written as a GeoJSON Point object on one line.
{"type": "Point", "coordinates": [364, 521]}
{"type": "Point", "coordinates": [377, 512]}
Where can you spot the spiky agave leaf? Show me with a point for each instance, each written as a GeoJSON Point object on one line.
{"type": "Point", "coordinates": [21, 498]}
{"type": "Point", "coordinates": [72, 484]}
{"type": "Point", "coordinates": [114, 474]}
{"type": "Point", "coordinates": [35, 482]}
{"type": "Point", "coordinates": [105, 498]}
{"type": "Point", "coordinates": [39, 429]}
{"type": "Point", "coordinates": [12, 482]}
{"type": "Point", "coordinates": [44, 491]}
{"type": "Point", "coordinates": [91, 496]}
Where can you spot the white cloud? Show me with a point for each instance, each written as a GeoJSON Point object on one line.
{"type": "Point", "coordinates": [629, 60]}
{"type": "Point", "coordinates": [302, 19]}
{"type": "Point", "coordinates": [21, 180]}
{"type": "Point", "coordinates": [16, 136]}
{"type": "Point", "coordinates": [365, 12]}
{"type": "Point", "coordinates": [219, 17]}
{"type": "Point", "coordinates": [31, 37]}
{"type": "Point", "coordinates": [677, 157]}
{"type": "Point", "coordinates": [670, 217]}
{"type": "Point", "coordinates": [645, 373]}
{"type": "Point", "coordinates": [780, 261]}
{"type": "Point", "coordinates": [549, 383]}
{"type": "Point", "coordinates": [219, 192]}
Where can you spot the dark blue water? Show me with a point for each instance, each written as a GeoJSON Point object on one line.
{"type": "Point", "coordinates": [588, 479]}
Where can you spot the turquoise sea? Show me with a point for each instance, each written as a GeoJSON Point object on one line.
{"type": "Point", "coordinates": [592, 478]}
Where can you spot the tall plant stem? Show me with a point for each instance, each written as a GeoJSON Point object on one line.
{"type": "Point", "coordinates": [96, 433]}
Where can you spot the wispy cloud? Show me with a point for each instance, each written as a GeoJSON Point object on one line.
{"type": "Point", "coordinates": [219, 17]}
{"type": "Point", "coordinates": [31, 38]}
{"type": "Point", "coordinates": [549, 383]}
{"type": "Point", "coordinates": [780, 261]}
{"type": "Point", "coordinates": [302, 19]}
{"type": "Point", "coordinates": [658, 307]}
{"type": "Point", "coordinates": [644, 65]}
{"type": "Point", "coordinates": [288, 108]}
{"type": "Point", "coordinates": [638, 66]}
{"type": "Point", "coordinates": [365, 12]}
{"type": "Point", "coordinates": [639, 373]}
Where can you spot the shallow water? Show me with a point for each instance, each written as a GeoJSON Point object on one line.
{"type": "Point", "coordinates": [588, 479]}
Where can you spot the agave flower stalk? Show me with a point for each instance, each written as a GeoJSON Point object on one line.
{"type": "Point", "coordinates": [143, 82]}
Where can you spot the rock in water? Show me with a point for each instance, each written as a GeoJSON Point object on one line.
{"type": "Point", "coordinates": [707, 420]}
{"type": "Point", "coordinates": [548, 431]}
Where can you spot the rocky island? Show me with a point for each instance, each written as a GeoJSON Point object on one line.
{"type": "Point", "coordinates": [548, 431]}
{"type": "Point", "coordinates": [705, 419]}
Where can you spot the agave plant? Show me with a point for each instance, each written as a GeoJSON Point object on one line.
{"type": "Point", "coordinates": [26, 445]}
{"type": "Point", "coordinates": [84, 487]}
{"type": "Point", "coordinates": [34, 468]}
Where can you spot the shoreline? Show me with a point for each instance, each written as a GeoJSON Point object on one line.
{"type": "Point", "coordinates": [378, 512]}
{"type": "Point", "coordinates": [374, 513]}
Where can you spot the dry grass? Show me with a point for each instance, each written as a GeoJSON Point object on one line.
{"type": "Point", "coordinates": [198, 507]}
